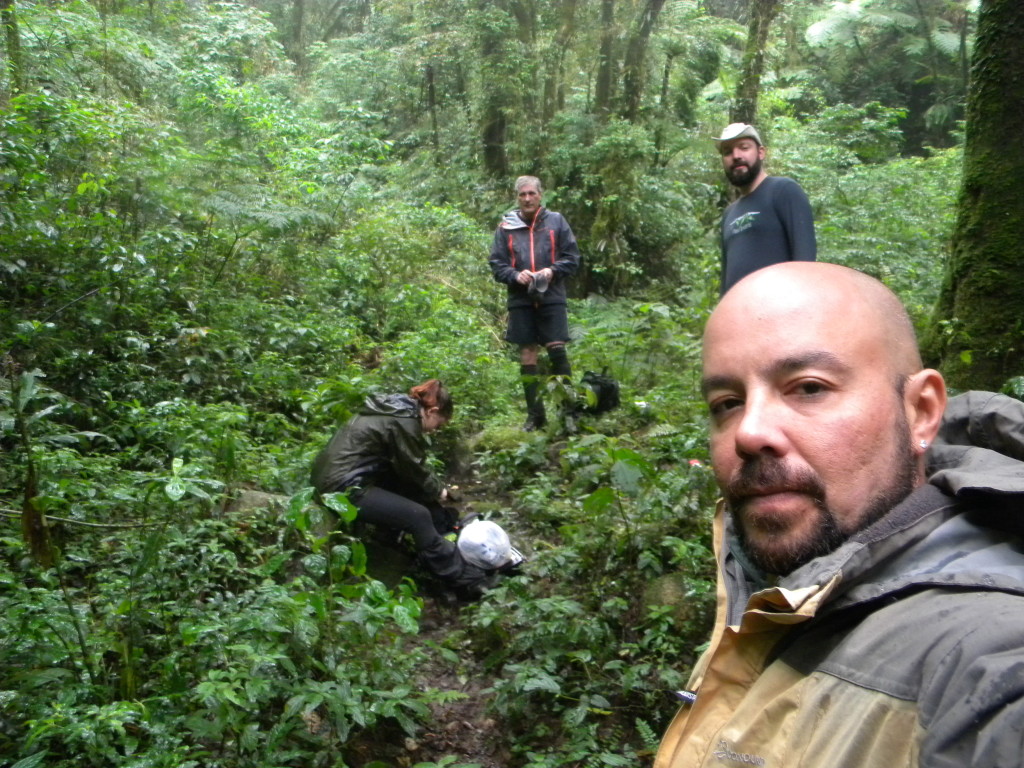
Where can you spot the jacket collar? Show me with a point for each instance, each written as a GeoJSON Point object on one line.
{"type": "Point", "coordinates": [958, 529]}
{"type": "Point", "coordinates": [512, 219]}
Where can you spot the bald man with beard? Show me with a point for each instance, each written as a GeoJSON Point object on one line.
{"type": "Point", "coordinates": [871, 566]}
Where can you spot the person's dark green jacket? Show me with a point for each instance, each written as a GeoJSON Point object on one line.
{"type": "Point", "coordinates": [384, 438]}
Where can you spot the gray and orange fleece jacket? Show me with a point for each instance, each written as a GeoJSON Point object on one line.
{"type": "Point", "coordinates": [547, 241]}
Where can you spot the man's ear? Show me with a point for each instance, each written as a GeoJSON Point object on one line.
{"type": "Point", "coordinates": [924, 399]}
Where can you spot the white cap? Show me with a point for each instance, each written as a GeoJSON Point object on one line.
{"type": "Point", "coordinates": [486, 545]}
{"type": "Point", "coordinates": [735, 131]}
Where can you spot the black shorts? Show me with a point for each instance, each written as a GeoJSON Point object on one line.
{"type": "Point", "coordinates": [539, 324]}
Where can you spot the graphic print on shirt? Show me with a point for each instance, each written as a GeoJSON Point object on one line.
{"type": "Point", "coordinates": [743, 223]}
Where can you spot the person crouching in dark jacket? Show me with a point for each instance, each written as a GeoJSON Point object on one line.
{"type": "Point", "coordinates": [379, 457]}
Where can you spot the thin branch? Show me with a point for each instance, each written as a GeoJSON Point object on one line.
{"type": "Point", "coordinates": [73, 301]}
{"type": "Point", "coordinates": [14, 513]}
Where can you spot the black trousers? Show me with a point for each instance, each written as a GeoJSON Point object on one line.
{"type": "Point", "coordinates": [383, 507]}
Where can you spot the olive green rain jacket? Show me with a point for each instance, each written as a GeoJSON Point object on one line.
{"type": "Point", "coordinates": [904, 647]}
{"type": "Point", "coordinates": [384, 438]}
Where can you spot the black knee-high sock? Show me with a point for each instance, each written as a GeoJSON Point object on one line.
{"type": "Point", "coordinates": [531, 388]}
{"type": "Point", "coordinates": [559, 360]}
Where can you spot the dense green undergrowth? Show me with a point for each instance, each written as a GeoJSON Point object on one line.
{"type": "Point", "coordinates": [179, 633]}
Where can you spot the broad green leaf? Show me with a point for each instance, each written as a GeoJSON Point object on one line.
{"type": "Point", "coordinates": [626, 476]}
{"type": "Point", "coordinates": [541, 681]}
{"type": "Point", "coordinates": [358, 563]}
{"type": "Point", "coordinates": [297, 513]}
{"type": "Point", "coordinates": [339, 502]}
{"type": "Point", "coordinates": [599, 500]}
{"type": "Point", "coordinates": [31, 761]}
{"type": "Point", "coordinates": [404, 620]}
{"type": "Point", "coordinates": [175, 489]}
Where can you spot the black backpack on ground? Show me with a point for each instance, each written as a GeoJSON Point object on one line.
{"type": "Point", "coordinates": [601, 391]}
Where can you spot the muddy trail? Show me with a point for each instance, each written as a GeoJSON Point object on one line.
{"type": "Point", "coordinates": [462, 729]}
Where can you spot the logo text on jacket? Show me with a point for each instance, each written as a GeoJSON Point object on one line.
{"type": "Point", "coordinates": [725, 752]}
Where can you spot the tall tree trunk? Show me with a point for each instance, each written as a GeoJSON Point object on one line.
{"type": "Point", "coordinates": [498, 66]}
{"type": "Point", "coordinates": [525, 14]}
{"type": "Point", "coordinates": [15, 69]}
{"type": "Point", "coordinates": [762, 13]}
{"type": "Point", "coordinates": [298, 38]}
{"type": "Point", "coordinates": [348, 17]}
{"type": "Point", "coordinates": [554, 70]}
{"type": "Point", "coordinates": [495, 132]}
{"type": "Point", "coordinates": [605, 61]}
{"type": "Point", "coordinates": [337, 20]}
{"type": "Point", "coordinates": [435, 136]}
{"type": "Point", "coordinates": [977, 331]}
{"type": "Point", "coordinates": [634, 68]}
{"type": "Point", "coordinates": [663, 109]}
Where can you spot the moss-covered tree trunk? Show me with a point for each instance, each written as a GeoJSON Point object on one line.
{"type": "Point", "coordinates": [762, 13]}
{"type": "Point", "coordinates": [604, 85]}
{"type": "Point", "coordinates": [555, 56]}
{"type": "Point", "coordinates": [499, 62]}
{"type": "Point", "coordinates": [977, 332]}
{"type": "Point", "coordinates": [9, 21]}
{"type": "Point", "coordinates": [298, 37]}
{"type": "Point", "coordinates": [634, 76]}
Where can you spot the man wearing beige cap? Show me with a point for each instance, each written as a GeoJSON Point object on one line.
{"type": "Point", "coordinates": [771, 221]}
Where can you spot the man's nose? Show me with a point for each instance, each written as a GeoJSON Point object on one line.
{"type": "Point", "coordinates": [761, 427]}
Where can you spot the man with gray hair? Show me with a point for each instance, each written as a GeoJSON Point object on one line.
{"type": "Point", "coordinates": [869, 542]}
{"type": "Point", "coordinates": [534, 252]}
{"type": "Point", "coordinates": [771, 221]}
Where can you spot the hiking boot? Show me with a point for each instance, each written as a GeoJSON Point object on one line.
{"type": "Point", "coordinates": [474, 591]}
{"type": "Point", "coordinates": [534, 421]}
{"type": "Point", "coordinates": [535, 417]}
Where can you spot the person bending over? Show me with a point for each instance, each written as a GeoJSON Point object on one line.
{"type": "Point", "coordinates": [379, 457]}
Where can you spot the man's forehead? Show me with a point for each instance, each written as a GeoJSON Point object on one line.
{"type": "Point", "coordinates": [794, 296]}
{"type": "Point", "coordinates": [745, 143]}
{"type": "Point", "coordinates": [794, 307]}
{"type": "Point", "coordinates": [780, 340]}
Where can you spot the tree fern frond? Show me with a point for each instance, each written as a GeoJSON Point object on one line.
{"type": "Point", "coordinates": [255, 206]}
{"type": "Point", "coordinates": [664, 430]}
{"type": "Point", "coordinates": [947, 42]}
{"type": "Point", "coordinates": [647, 734]}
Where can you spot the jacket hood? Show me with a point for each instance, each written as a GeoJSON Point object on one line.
{"type": "Point", "coordinates": [402, 406]}
{"type": "Point", "coordinates": [512, 220]}
{"type": "Point", "coordinates": [961, 529]}
{"type": "Point", "coordinates": [980, 448]}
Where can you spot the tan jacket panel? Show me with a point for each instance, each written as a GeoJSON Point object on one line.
{"type": "Point", "coordinates": [787, 720]}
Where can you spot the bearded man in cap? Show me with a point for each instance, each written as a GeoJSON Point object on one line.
{"type": "Point", "coordinates": [771, 221]}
